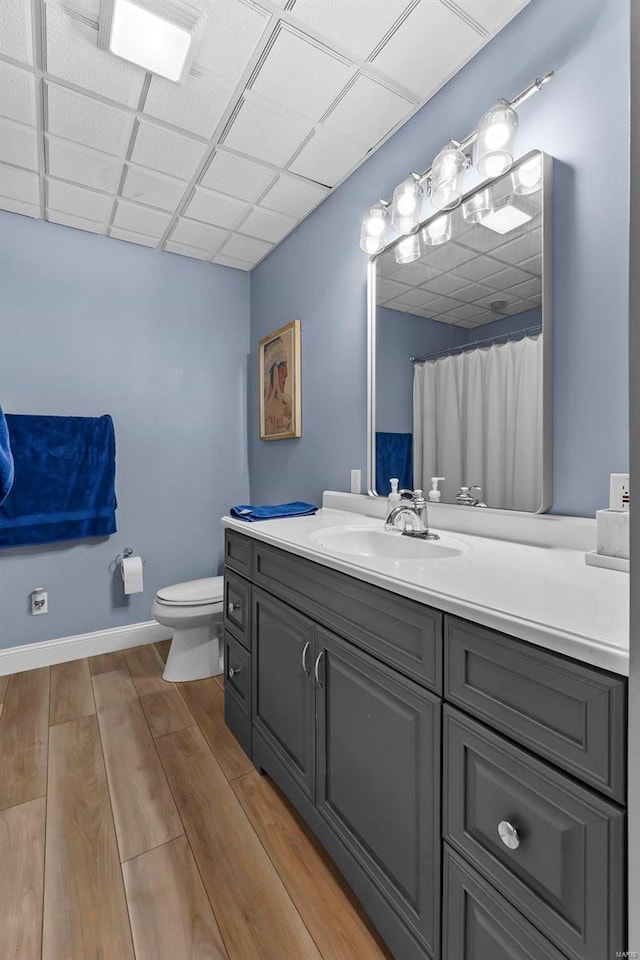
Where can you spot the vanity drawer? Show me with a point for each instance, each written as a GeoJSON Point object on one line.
{"type": "Point", "coordinates": [237, 672]}
{"type": "Point", "coordinates": [405, 634]}
{"type": "Point", "coordinates": [237, 607]}
{"type": "Point", "coordinates": [572, 714]}
{"type": "Point", "coordinates": [237, 552]}
{"type": "Point", "coordinates": [479, 924]}
{"type": "Point", "coordinates": [565, 870]}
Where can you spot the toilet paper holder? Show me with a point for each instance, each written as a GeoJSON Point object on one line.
{"type": "Point", "coordinates": [127, 552]}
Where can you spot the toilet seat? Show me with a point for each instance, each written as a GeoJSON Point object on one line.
{"type": "Point", "coordinates": [193, 593]}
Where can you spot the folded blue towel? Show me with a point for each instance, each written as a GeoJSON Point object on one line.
{"type": "Point", "coordinates": [276, 512]}
{"type": "Point", "coordinates": [394, 458]}
{"type": "Point", "coordinates": [6, 459]}
{"type": "Point", "coordinates": [64, 487]}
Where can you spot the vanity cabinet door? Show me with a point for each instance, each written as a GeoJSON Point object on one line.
{"type": "Point", "coordinates": [378, 782]}
{"type": "Point", "coordinates": [283, 689]}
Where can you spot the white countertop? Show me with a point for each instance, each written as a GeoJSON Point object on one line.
{"type": "Point", "coordinates": [544, 594]}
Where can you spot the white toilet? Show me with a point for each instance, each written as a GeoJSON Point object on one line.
{"type": "Point", "coordinates": [193, 610]}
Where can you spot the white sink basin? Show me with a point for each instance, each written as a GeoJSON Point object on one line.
{"type": "Point", "coordinates": [381, 544]}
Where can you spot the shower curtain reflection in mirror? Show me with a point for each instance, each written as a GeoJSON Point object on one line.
{"type": "Point", "coordinates": [476, 420]}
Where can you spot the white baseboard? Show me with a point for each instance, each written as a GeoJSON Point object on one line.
{"type": "Point", "coordinates": [32, 655]}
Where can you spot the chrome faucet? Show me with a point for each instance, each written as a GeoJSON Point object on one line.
{"type": "Point", "coordinates": [416, 511]}
{"type": "Point", "coordinates": [466, 499]}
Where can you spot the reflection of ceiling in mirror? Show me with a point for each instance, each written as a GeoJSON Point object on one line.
{"type": "Point", "coordinates": [457, 281]}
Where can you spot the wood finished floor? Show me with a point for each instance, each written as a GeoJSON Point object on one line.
{"type": "Point", "coordinates": [133, 827]}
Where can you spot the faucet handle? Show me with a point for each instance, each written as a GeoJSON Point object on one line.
{"type": "Point", "coordinates": [411, 494]}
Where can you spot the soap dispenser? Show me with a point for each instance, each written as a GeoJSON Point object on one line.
{"type": "Point", "coordinates": [434, 494]}
{"type": "Point", "coordinates": [394, 497]}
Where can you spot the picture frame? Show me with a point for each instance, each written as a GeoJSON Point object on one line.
{"type": "Point", "coordinates": [279, 383]}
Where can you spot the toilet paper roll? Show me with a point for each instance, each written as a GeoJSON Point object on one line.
{"type": "Point", "coordinates": [132, 574]}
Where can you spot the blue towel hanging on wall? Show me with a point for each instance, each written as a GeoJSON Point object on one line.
{"type": "Point", "coordinates": [394, 458]}
{"type": "Point", "coordinates": [6, 459]}
{"type": "Point", "coordinates": [64, 486]}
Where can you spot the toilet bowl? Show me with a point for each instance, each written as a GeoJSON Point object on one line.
{"type": "Point", "coordinates": [193, 610]}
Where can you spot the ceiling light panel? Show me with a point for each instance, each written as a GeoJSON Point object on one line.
{"type": "Point", "coordinates": [356, 27]}
{"type": "Point", "coordinates": [73, 55]}
{"type": "Point", "coordinates": [160, 36]}
{"type": "Point", "coordinates": [197, 105]}
{"type": "Point", "coordinates": [153, 189]}
{"type": "Point", "coordinates": [86, 167]}
{"type": "Point", "coordinates": [166, 151]}
{"type": "Point", "coordinates": [18, 145]}
{"type": "Point", "coordinates": [15, 31]}
{"type": "Point", "coordinates": [87, 121]}
{"type": "Point", "coordinates": [301, 76]}
{"type": "Point", "coordinates": [237, 176]}
{"type": "Point", "coordinates": [216, 208]}
{"type": "Point", "coordinates": [17, 94]}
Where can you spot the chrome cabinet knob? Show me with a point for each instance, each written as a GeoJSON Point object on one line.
{"type": "Point", "coordinates": [231, 606]}
{"type": "Point", "coordinates": [508, 834]}
{"type": "Point", "coordinates": [233, 672]}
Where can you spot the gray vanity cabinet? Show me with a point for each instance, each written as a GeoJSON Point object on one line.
{"type": "Point", "coordinates": [283, 654]}
{"type": "Point", "coordinates": [378, 781]}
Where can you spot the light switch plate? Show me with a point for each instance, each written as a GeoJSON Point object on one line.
{"type": "Point", "coordinates": [355, 481]}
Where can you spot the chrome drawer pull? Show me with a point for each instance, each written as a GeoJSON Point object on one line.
{"type": "Point", "coordinates": [317, 667]}
{"type": "Point", "coordinates": [233, 672]}
{"type": "Point", "coordinates": [304, 658]}
{"type": "Point", "coordinates": [231, 606]}
{"type": "Point", "coordinates": [509, 835]}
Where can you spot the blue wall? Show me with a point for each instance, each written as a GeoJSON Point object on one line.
{"type": "Point", "coordinates": [319, 273]}
{"type": "Point", "coordinates": [92, 325]}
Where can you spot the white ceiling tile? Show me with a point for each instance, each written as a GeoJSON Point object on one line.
{"type": "Point", "coordinates": [479, 268]}
{"type": "Point", "coordinates": [166, 151]}
{"type": "Point", "coordinates": [358, 27]}
{"type": "Point", "coordinates": [446, 283]}
{"type": "Point", "coordinates": [389, 289]}
{"type": "Point", "coordinates": [473, 291]}
{"type": "Point", "coordinates": [328, 157]}
{"type": "Point", "coordinates": [446, 256]}
{"type": "Point", "coordinates": [18, 144]}
{"type": "Point", "coordinates": [236, 176]}
{"type": "Point", "coordinates": [153, 188]}
{"type": "Point", "coordinates": [87, 121]}
{"type": "Point", "coordinates": [185, 250]}
{"type": "Point", "coordinates": [467, 324]}
{"type": "Point", "coordinates": [15, 30]}
{"type": "Point", "coordinates": [293, 196]}
{"type": "Point", "coordinates": [466, 311]}
{"type": "Point", "coordinates": [233, 262]}
{"type": "Point", "coordinates": [533, 265]}
{"type": "Point", "coordinates": [368, 111]}
{"type": "Point", "coordinates": [216, 208]}
{"type": "Point", "coordinates": [17, 94]}
{"type": "Point", "coordinates": [491, 14]}
{"type": "Point", "coordinates": [528, 289]}
{"type": "Point", "coordinates": [412, 298]}
{"type": "Point", "coordinates": [301, 76]}
{"type": "Point", "coordinates": [195, 234]}
{"type": "Point", "coordinates": [19, 206]}
{"type": "Point", "coordinates": [70, 162]}
{"type": "Point", "coordinates": [132, 216]}
{"type": "Point", "coordinates": [245, 248]}
{"type": "Point", "coordinates": [446, 42]}
{"type": "Point", "coordinates": [506, 278]}
{"type": "Point", "coordinates": [19, 184]}
{"type": "Point", "coordinates": [132, 237]}
{"type": "Point", "coordinates": [266, 225]}
{"type": "Point", "coordinates": [88, 9]}
{"type": "Point", "coordinates": [73, 55]}
{"type": "Point", "coordinates": [231, 36]}
{"type": "Point", "coordinates": [521, 248]}
{"type": "Point", "coordinates": [196, 105]}
{"type": "Point", "coordinates": [78, 223]}
{"type": "Point", "coordinates": [266, 133]}
{"type": "Point", "coordinates": [413, 273]}
{"type": "Point", "coordinates": [78, 201]}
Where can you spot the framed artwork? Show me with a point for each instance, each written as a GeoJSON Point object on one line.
{"type": "Point", "coordinates": [279, 373]}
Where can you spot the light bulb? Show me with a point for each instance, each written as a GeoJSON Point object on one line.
{"type": "Point", "coordinates": [447, 174]}
{"type": "Point", "coordinates": [477, 207]}
{"type": "Point", "coordinates": [527, 177]}
{"type": "Point", "coordinates": [406, 203]}
{"type": "Point", "coordinates": [437, 231]}
{"type": "Point", "coordinates": [497, 136]}
{"type": "Point", "coordinates": [374, 227]}
{"type": "Point", "coordinates": [405, 208]}
{"type": "Point", "coordinates": [496, 140]}
{"type": "Point", "coordinates": [408, 249]}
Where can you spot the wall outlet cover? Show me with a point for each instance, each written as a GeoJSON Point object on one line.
{"type": "Point", "coordinates": [356, 481]}
{"type": "Point", "coordinates": [619, 493]}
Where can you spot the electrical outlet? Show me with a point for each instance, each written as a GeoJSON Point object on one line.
{"type": "Point", "coordinates": [39, 601]}
{"type": "Point", "coordinates": [619, 494]}
{"type": "Point", "coordinates": [355, 481]}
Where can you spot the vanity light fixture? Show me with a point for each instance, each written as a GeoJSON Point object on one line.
{"type": "Point", "coordinates": [527, 177]}
{"type": "Point", "coordinates": [437, 231]}
{"type": "Point", "coordinates": [495, 135]}
{"type": "Point", "coordinates": [509, 212]}
{"type": "Point", "coordinates": [160, 36]}
{"type": "Point", "coordinates": [408, 249]}
{"type": "Point", "coordinates": [447, 174]}
{"type": "Point", "coordinates": [375, 224]}
{"type": "Point", "coordinates": [477, 207]}
{"type": "Point", "coordinates": [406, 207]}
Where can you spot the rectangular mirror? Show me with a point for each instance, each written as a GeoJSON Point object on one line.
{"type": "Point", "coordinates": [460, 348]}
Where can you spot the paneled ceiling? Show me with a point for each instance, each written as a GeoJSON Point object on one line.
{"type": "Point", "coordinates": [285, 100]}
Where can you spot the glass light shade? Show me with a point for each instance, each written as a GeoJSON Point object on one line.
{"type": "Point", "coordinates": [437, 231]}
{"type": "Point", "coordinates": [447, 174]}
{"type": "Point", "coordinates": [496, 140]}
{"type": "Point", "coordinates": [407, 205]}
{"type": "Point", "coordinates": [527, 177]}
{"type": "Point", "coordinates": [375, 224]}
{"type": "Point", "coordinates": [477, 207]}
{"type": "Point", "coordinates": [408, 249]}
